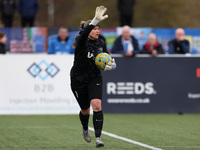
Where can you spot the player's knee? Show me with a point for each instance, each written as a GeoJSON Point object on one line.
{"type": "Point", "coordinates": [96, 105]}
{"type": "Point", "coordinates": [85, 111]}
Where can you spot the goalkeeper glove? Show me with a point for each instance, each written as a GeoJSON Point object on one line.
{"type": "Point", "coordinates": [99, 15]}
{"type": "Point", "coordinates": [110, 66]}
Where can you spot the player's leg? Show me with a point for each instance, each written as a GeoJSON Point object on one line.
{"type": "Point", "coordinates": [97, 121]}
{"type": "Point", "coordinates": [97, 116]}
{"type": "Point", "coordinates": [84, 114]}
{"type": "Point", "coordinates": [95, 94]}
{"type": "Point", "coordinates": [80, 92]}
{"type": "Point", "coordinates": [84, 118]}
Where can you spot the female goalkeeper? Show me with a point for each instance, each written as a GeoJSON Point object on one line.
{"type": "Point", "coordinates": [86, 79]}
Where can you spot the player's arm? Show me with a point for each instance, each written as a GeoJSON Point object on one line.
{"type": "Point", "coordinates": [97, 18]}
{"type": "Point", "coordinates": [111, 65]}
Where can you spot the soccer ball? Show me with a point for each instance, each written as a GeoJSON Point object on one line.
{"type": "Point", "coordinates": [102, 59]}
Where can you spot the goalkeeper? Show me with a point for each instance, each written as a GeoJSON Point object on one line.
{"type": "Point", "coordinates": [86, 79]}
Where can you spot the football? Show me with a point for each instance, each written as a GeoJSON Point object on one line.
{"type": "Point", "coordinates": [102, 59]}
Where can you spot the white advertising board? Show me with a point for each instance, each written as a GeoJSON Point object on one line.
{"type": "Point", "coordinates": [36, 84]}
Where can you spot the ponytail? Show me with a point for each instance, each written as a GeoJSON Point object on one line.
{"type": "Point", "coordinates": [83, 24]}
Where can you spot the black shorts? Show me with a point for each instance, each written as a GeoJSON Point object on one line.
{"type": "Point", "coordinates": [84, 92]}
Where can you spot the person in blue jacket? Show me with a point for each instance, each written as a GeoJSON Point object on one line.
{"type": "Point", "coordinates": [179, 45]}
{"type": "Point", "coordinates": [28, 9]}
{"type": "Point", "coordinates": [62, 44]}
{"type": "Point", "coordinates": [39, 40]}
{"type": "Point", "coordinates": [126, 44]}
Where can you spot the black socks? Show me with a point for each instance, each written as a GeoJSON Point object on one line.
{"type": "Point", "coordinates": [98, 122]}
{"type": "Point", "coordinates": [84, 120]}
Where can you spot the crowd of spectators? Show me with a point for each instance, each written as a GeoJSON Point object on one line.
{"type": "Point", "coordinates": [125, 44]}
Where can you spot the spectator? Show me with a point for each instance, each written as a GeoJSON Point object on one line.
{"type": "Point", "coordinates": [28, 10]}
{"type": "Point", "coordinates": [62, 44]}
{"type": "Point", "coordinates": [125, 8]}
{"type": "Point", "coordinates": [39, 40]}
{"type": "Point", "coordinates": [3, 40]}
{"type": "Point", "coordinates": [152, 46]}
{"type": "Point", "coordinates": [126, 43]}
{"type": "Point", "coordinates": [179, 45]}
{"type": "Point", "coordinates": [7, 11]}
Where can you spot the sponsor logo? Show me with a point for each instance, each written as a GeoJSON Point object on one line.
{"type": "Point", "coordinates": [90, 55]}
{"type": "Point", "coordinates": [129, 100]}
{"type": "Point", "coordinates": [198, 72]}
{"type": "Point", "coordinates": [194, 95]}
{"type": "Point", "coordinates": [43, 70]}
{"type": "Point", "coordinates": [130, 88]}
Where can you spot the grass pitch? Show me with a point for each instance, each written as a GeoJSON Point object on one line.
{"type": "Point", "coordinates": [63, 132]}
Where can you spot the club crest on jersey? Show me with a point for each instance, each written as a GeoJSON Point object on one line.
{"type": "Point", "coordinates": [100, 49]}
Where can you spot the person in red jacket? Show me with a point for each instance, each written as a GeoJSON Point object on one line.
{"type": "Point", "coordinates": [152, 46]}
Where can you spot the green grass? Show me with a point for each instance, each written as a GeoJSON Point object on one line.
{"type": "Point", "coordinates": [63, 132]}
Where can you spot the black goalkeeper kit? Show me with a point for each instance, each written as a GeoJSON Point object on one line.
{"type": "Point", "coordinates": [86, 79]}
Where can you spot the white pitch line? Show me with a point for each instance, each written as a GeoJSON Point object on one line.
{"type": "Point", "coordinates": [127, 140]}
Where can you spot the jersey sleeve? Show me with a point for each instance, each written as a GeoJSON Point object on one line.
{"type": "Point", "coordinates": [84, 35]}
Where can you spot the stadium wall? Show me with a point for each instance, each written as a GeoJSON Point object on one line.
{"type": "Point", "coordinates": [40, 84]}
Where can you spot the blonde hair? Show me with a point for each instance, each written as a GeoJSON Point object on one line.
{"type": "Point", "coordinates": [152, 35]}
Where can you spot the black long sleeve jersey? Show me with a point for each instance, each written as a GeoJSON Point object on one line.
{"type": "Point", "coordinates": [84, 68]}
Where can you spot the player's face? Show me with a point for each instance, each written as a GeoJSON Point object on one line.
{"type": "Point", "coordinates": [94, 34]}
